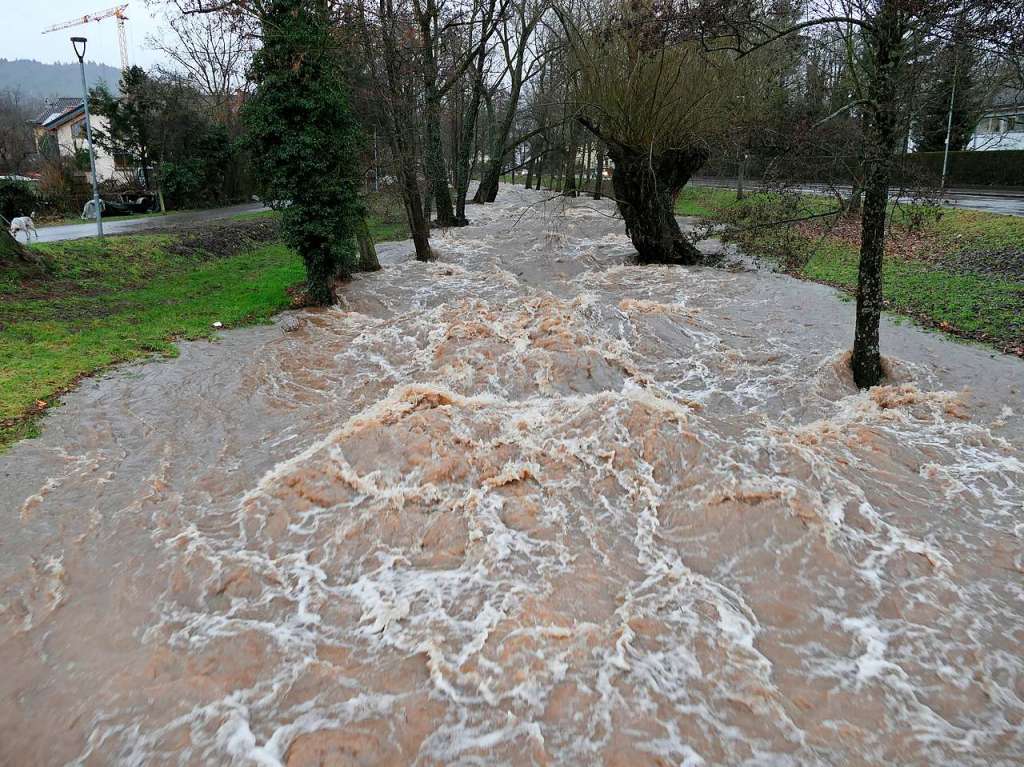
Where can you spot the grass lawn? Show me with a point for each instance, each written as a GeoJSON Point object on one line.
{"type": "Point", "coordinates": [962, 272]}
{"type": "Point", "coordinates": [127, 297]}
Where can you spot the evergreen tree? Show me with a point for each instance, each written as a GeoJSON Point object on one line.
{"type": "Point", "coordinates": [305, 140]}
{"type": "Point", "coordinates": [952, 79]}
{"type": "Point", "coordinates": [160, 124]}
{"type": "Point", "coordinates": [130, 117]}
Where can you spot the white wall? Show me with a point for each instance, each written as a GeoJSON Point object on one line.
{"type": "Point", "coordinates": [999, 129]}
{"type": "Point", "coordinates": [71, 137]}
{"type": "Point", "coordinates": [996, 141]}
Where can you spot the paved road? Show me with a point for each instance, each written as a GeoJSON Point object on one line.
{"type": "Point", "coordinates": [142, 223]}
{"type": "Point", "coordinates": [1007, 203]}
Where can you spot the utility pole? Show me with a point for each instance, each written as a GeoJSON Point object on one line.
{"type": "Point", "coordinates": [80, 42]}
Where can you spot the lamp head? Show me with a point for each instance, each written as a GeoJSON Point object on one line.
{"type": "Point", "coordinates": [79, 44]}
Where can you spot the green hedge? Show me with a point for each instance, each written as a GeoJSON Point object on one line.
{"type": "Point", "coordinates": [1002, 168]}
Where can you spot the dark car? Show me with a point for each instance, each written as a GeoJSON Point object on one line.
{"type": "Point", "coordinates": [127, 205]}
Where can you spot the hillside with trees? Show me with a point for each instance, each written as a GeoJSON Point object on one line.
{"type": "Point", "coordinates": [42, 81]}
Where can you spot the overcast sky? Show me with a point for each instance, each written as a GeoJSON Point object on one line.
{"type": "Point", "coordinates": [22, 23]}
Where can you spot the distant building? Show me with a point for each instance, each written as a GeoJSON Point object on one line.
{"type": "Point", "coordinates": [1002, 126]}
{"type": "Point", "coordinates": [64, 121]}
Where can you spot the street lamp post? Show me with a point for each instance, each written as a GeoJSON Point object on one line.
{"type": "Point", "coordinates": [79, 45]}
{"type": "Point", "coordinates": [949, 124]}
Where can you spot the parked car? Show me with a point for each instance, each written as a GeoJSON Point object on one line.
{"type": "Point", "coordinates": [122, 205]}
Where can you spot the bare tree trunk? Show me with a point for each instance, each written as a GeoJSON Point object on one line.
{"type": "Point", "coordinates": [401, 134]}
{"type": "Point", "coordinates": [526, 19]}
{"type": "Point", "coordinates": [490, 177]}
{"type": "Point", "coordinates": [569, 188]}
{"type": "Point", "coordinates": [11, 249]}
{"type": "Point", "coordinates": [434, 160]}
{"type": "Point", "coordinates": [490, 171]}
{"type": "Point", "coordinates": [585, 178]}
{"type": "Point", "coordinates": [436, 167]}
{"type": "Point", "coordinates": [467, 157]}
{"type": "Point", "coordinates": [881, 144]}
{"type": "Point", "coordinates": [540, 167]}
{"type": "Point", "coordinates": [646, 187]}
{"type": "Point", "coordinates": [367, 251]}
{"type": "Point", "coordinates": [599, 180]}
{"type": "Point", "coordinates": [408, 171]}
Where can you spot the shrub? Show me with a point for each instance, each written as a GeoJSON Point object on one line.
{"type": "Point", "coordinates": [182, 183]}
{"type": "Point", "coordinates": [755, 224]}
{"type": "Point", "coordinates": [17, 198]}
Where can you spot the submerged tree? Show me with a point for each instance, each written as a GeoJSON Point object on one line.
{"type": "Point", "coordinates": [521, 61]}
{"type": "Point", "coordinates": [306, 140]}
{"type": "Point", "coordinates": [886, 34]}
{"type": "Point", "coordinates": [658, 101]}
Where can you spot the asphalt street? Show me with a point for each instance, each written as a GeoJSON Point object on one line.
{"type": "Point", "coordinates": [142, 223]}
{"type": "Point", "coordinates": [1010, 203]}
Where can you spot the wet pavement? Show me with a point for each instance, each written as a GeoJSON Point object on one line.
{"type": "Point", "coordinates": [144, 223]}
{"type": "Point", "coordinates": [526, 505]}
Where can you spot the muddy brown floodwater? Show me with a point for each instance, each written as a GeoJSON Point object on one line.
{"type": "Point", "coordinates": [527, 505]}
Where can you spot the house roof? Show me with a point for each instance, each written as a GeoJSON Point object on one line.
{"type": "Point", "coordinates": [58, 112]}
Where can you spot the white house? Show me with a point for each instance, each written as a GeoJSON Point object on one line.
{"type": "Point", "coordinates": [1002, 126]}
{"type": "Point", "coordinates": [64, 120]}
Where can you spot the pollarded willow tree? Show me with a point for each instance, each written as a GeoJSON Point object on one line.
{"type": "Point", "coordinates": [306, 140]}
{"type": "Point", "coordinates": [661, 103]}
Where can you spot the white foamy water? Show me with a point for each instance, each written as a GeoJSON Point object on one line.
{"type": "Point", "coordinates": [525, 505]}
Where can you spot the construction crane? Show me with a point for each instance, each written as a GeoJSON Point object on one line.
{"type": "Point", "coordinates": [117, 13]}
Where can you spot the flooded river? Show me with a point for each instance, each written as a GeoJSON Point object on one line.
{"type": "Point", "coordinates": [526, 505]}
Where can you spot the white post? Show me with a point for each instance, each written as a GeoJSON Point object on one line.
{"type": "Point", "coordinates": [949, 124]}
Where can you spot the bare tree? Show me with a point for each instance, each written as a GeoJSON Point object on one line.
{"type": "Point", "coordinates": [522, 61]}
{"type": "Point", "coordinates": [17, 146]}
{"type": "Point", "coordinates": [212, 50]}
{"type": "Point", "coordinates": [660, 102]}
{"type": "Point", "coordinates": [887, 32]}
{"type": "Point", "coordinates": [439, 42]}
{"type": "Point", "coordinates": [467, 119]}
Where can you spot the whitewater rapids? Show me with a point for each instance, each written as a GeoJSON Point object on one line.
{"type": "Point", "coordinates": [526, 505]}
